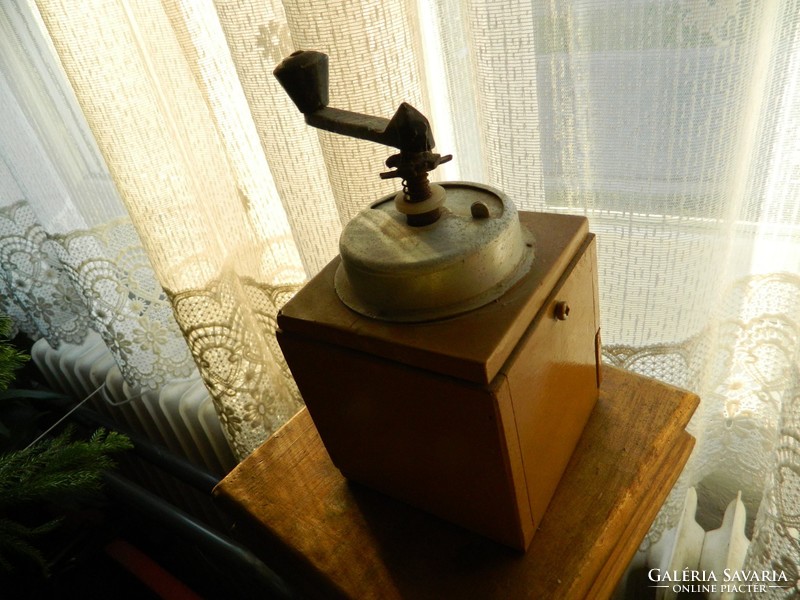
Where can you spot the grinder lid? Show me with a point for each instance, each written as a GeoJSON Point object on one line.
{"type": "Point", "coordinates": [434, 251]}
{"type": "Point", "coordinates": [470, 256]}
{"type": "Point", "coordinates": [473, 346]}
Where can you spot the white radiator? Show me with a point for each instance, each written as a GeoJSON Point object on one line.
{"type": "Point", "coordinates": [180, 417]}
{"type": "Point", "coordinates": [687, 560]}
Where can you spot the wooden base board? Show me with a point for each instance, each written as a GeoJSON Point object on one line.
{"type": "Point", "coordinates": [333, 538]}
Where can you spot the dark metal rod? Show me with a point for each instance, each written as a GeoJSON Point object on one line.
{"type": "Point", "coordinates": [357, 125]}
{"type": "Point", "coordinates": [220, 547]}
{"type": "Point", "coordinates": [155, 454]}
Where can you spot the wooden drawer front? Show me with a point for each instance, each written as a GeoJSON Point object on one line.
{"type": "Point", "coordinates": [552, 377]}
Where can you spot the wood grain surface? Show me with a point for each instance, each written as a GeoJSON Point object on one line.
{"type": "Point", "coordinates": [335, 539]}
{"type": "Point", "coordinates": [449, 346]}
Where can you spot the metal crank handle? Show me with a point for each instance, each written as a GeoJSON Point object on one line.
{"type": "Point", "coordinates": [304, 76]}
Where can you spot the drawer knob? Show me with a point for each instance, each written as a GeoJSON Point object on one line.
{"type": "Point", "coordinates": [562, 310]}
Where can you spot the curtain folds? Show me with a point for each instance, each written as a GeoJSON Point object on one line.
{"type": "Point", "coordinates": [70, 256]}
{"type": "Point", "coordinates": [173, 128]}
{"type": "Point", "coordinates": [674, 125]}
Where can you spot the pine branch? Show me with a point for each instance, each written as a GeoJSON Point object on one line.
{"type": "Point", "coordinates": [11, 359]}
{"type": "Point", "coordinates": [51, 470]}
{"type": "Point", "coordinates": [57, 467]}
{"type": "Point", "coordinates": [5, 326]}
{"type": "Point", "coordinates": [15, 541]}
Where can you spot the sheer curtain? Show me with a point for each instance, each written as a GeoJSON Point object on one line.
{"type": "Point", "coordinates": [70, 255]}
{"type": "Point", "coordinates": [673, 125]}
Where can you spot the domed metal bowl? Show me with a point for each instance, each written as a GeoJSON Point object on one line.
{"type": "Point", "coordinates": [471, 256]}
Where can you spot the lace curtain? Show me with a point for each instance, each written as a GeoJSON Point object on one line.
{"type": "Point", "coordinates": [673, 125]}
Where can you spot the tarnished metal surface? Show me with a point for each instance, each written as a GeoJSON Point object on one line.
{"type": "Point", "coordinates": [423, 253]}
{"type": "Point", "coordinates": [395, 272]}
{"type": "Point", "coordinates": [304, 76]}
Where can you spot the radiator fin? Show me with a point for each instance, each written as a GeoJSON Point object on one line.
{"type": "Point", "coordinates": [180, 416]}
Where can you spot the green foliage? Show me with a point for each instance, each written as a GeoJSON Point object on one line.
{"type": "Point", "coordinates": [57, 466]}
{"type": "Point", "coordinates": [47, 473]}
{"type": "Point", "coordinates": [51, 470]}
{"type": "Point", "coordinates": [11, 359]}
{"type": "Point", "coordinates": [15, 540]}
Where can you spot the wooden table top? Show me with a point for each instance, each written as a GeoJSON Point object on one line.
{"type": "Point", "coordinates": [333, 538]}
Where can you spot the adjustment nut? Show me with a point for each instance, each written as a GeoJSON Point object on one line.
{"type": "Point", "coordinates": [434, 202]}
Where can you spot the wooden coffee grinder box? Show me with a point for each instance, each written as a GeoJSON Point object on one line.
{"type": "Point", "coordinates": [449, 357]}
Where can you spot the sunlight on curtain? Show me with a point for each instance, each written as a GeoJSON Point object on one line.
{"type": "Point", "coordinates": [258, 39]}
{"type": "Point", "coordinates": [673, 125]}
{"type": "Point", "coordinates": [205, 208]}
{"type": "Point", "coordinates": [70, 257]}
